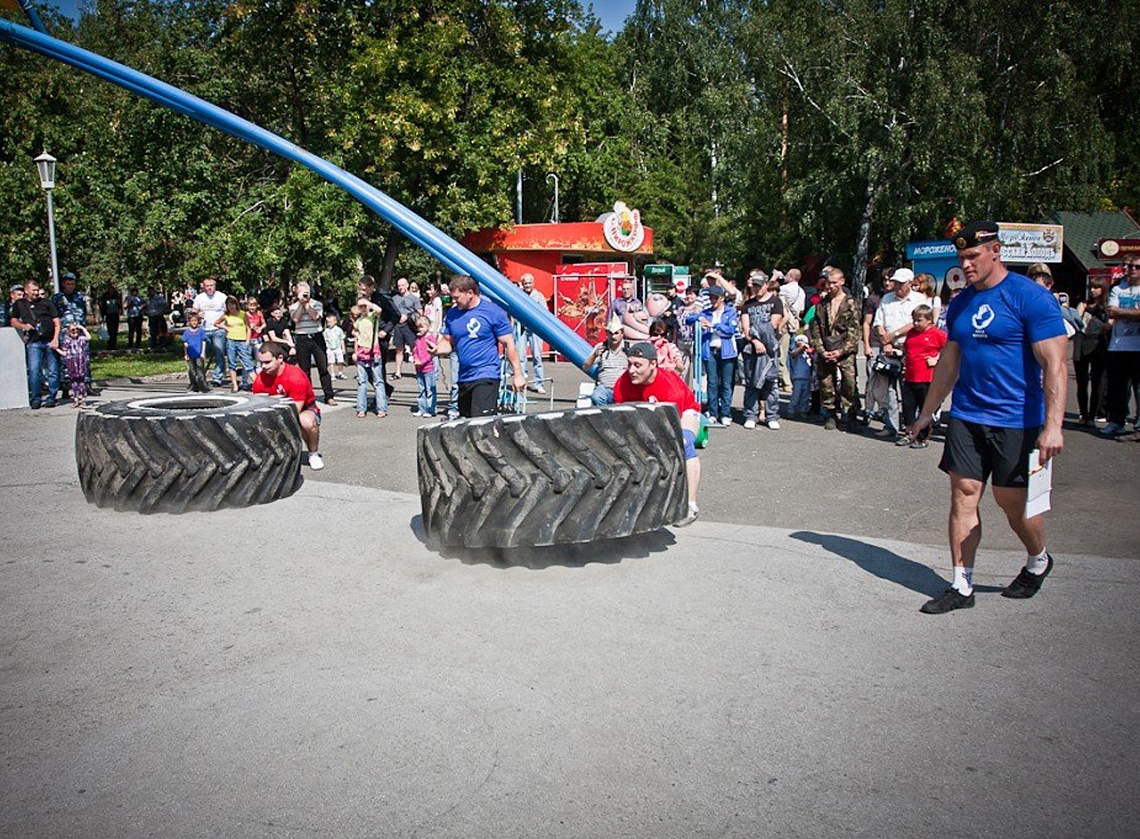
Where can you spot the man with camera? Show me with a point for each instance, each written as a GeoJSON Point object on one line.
{"type": "Point", "coordinates": [37, 320]}
{"type": "Point", "coordinates": [892, 321]}
{"type": "Point", "coordinates": [308, 318]}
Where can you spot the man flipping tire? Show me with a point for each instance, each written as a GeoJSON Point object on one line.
{"type": "Point", "coordinates": [644, 381]}
{"type": "Point", "coordinates": [1005, 361]}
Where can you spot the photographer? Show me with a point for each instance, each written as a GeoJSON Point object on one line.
{"type": "Point", "coordinates": [308, 320]}
{"type": "Point", "coordinates": [37, 320]}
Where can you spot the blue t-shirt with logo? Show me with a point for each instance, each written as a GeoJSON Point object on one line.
{"type": "Point", "coordinates": [474, 336]}
{"type": "Point", "coordinates": [999, 380]}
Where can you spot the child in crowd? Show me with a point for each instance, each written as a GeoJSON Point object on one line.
{"type": "Point", "coordinates": [800, 364]}
{"type": "Point", "coordinates": [668, 356]}
{"type": "Point", "coordinates": [278, 328]}
{"type": "Point", "coordinates": [369, 362]}
{"type": "Point", "coordinates": [423, 355]}
{"type": "Point", "coordinates": [256, 320]}
{"type": "Point", "coordinates": [334, 345]}
{"type": "Point", "coordinates": [237, 343]}
{"type": "Point", "coordinates": [73, 348]}
{"type": "Point", "coordinates": [193, 340]}
{"type": "Point", "coordinates": [924, 345]}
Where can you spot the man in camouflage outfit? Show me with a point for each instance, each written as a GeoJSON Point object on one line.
{"type": "Point", "coordinates": [835, 335]}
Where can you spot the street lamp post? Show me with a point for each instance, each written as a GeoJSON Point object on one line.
{"type": "Point", "coordinates": [555, 178]}
{"type": "Point", "coordinates": [45, 163]}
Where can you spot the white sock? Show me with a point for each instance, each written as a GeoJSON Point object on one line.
{"type": "Point", "coordinates": [963, 580]}
{"type": "Point", "coordinates": [1037, 564]}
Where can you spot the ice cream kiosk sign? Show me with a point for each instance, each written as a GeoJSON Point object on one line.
{"type": "Point", "coordinates": [1025, 243]}
{"type": "Point", "coordinates": [623, 229]}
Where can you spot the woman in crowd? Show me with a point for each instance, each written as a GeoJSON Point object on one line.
{"type": "Point", "coordinates": [1090, 351]}
{"type": "Point", "coordinates": [718, 351]}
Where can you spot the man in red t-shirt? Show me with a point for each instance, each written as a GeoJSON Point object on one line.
{"type": "Point", "coordinates": [277, 378]}
{"type": "Point", "coordinates": [924, 345]}
{"type": "Point", "coordinates": [644, 381]}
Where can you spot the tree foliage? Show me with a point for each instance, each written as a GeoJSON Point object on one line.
{"type": "Point", "coordinates": [747, 132]}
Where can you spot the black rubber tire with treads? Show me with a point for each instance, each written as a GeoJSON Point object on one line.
{"type": "Point", "coordinates": [554, 478]}
{"type": "Point", "coordinates": [173, 454]}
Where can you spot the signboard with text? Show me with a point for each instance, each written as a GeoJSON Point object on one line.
{"type": "Point", "coordinates": [1113, 250]}
{"type": "Point", "coordinates": [1026, 243]}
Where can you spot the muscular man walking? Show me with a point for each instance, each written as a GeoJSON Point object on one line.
{"type": "Point", "coordinates": [1005, 361]}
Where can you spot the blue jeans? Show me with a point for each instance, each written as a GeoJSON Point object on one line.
{"type": "Point", "coordinates": [602, 395]}
{"type": "Point", "coordinates": [801, 397]}
{"type": "Point", "coordinates": [40, 354]}
{"type": "Point", "coordinates": [217, 339]}
{"type": "Point", "coordinates": [533, 343]}
{"type": "Point", "coordinates": [427, 398]}
{"type": "Point", "coordinates": [238, 352]}
{"type": "Point", "coordinates": [770, 393]}
{"type": "Point", "coordinates": [721, 373]}
{"type": "Point", "coordinates": [370, 371]}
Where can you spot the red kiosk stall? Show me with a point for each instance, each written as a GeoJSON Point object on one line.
{"type": "Point", "coordinates": [577, 267]}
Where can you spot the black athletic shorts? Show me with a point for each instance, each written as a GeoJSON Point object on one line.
{"type": "Point", "coordinates": [478, 398]}
{"type": "Point", "coordinates": [986, 452]}
{"type": "Point", "coordinates": [404, 335]}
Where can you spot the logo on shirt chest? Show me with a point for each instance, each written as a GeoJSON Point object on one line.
{"type": "Point", "coordinates": [982, 319]}
{"type": "Point", "coordinates": [473, 327]}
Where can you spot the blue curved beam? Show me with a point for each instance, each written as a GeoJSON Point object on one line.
{"type": "Point", "coordinates": [449, 252]}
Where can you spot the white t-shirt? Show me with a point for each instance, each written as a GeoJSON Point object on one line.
{"type": "Point", "coordinates": [434, 312]}
{"type": "Point", "coordinates": [1125, 333]}
{"type": "Point", "coordinates": [894, 313]}
{"type": "Point", "coordinates": [794, 298]}
{"type": "Point", "coordinates": [211, 307]}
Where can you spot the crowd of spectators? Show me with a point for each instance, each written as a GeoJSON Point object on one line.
{"type": "Point", "coordinates": [790, 345]}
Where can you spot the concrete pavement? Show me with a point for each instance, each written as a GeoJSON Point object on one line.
{"type": "Point", "coordinates": [312, 668]}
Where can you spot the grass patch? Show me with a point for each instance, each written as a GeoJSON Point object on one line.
{"type": "Point", "coordinates": [134, 364]}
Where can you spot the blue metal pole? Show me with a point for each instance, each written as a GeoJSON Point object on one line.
{"type": "Point", "coordinates": [33, 16]}
{"type": "Point", "coordinates": [456, 257]}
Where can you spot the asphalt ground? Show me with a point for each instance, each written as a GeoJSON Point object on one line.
{"type": "Point", "coordinates": [312, 667]}
{"type": "Point", "coordinates": [800, 477]}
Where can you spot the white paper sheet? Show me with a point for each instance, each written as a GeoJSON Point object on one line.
{"type": "Point", "coordinates": [1040, 485]}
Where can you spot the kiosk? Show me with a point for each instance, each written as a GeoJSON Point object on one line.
{"type": "Point", "coordinates": [578, 267]}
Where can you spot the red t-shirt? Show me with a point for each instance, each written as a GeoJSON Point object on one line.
{"type": "Point", "coordinates": [919, 347]}
{"type": "Point", "coordinates": [665, 387]}
{"type": "Point", "coordinates": [291, 382]}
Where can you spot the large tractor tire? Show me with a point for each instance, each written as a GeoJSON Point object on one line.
{"type": "Point", "coordinates": [554, 478]}
{"type": "Point", "coordinates": [171, 454]}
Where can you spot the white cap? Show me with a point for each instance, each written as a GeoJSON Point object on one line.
{"type": "Point", "coordinates": [903, 275]}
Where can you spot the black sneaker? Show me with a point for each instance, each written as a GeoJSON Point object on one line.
{"type": "Point", "coordinates": [948, 601]}
{"type": "Point", "coordinates": [1026, 584]}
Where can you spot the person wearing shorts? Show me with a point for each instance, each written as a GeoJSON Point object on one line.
{"type": "Point", "coordinates": [474, 329]}
{"type": "Point", "coordinates": [279, 378]}
{"type": "Point", "coordinates": [645, 381]}
{"type": "Point", "coordinates": [1005, 362]}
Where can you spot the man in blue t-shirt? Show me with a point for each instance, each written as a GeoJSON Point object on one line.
{"type": "Point", "coordinates": [473, 329]}
{"type": "Point", "coordinates": [1005, 361]}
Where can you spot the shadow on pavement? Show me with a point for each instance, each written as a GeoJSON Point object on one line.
{"type": "Point", "coordinates": [609, 552]}
{"type": "Point", "coordinates": [884, 564]}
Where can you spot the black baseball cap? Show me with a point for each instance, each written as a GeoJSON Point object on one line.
{"type": "Point", "coordinates": [642, 349]}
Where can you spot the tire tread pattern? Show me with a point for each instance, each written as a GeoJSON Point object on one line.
{"type": "Point", "coordinates": [555, 478]}
{"type": "Point", "coordinates": [181, 462]}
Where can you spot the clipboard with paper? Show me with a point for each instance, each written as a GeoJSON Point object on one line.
{"type": "Point", "coordinates": [1040, 487]}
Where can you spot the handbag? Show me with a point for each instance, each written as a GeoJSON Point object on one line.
{"type": "Point", "coordinates": [887, 365]}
